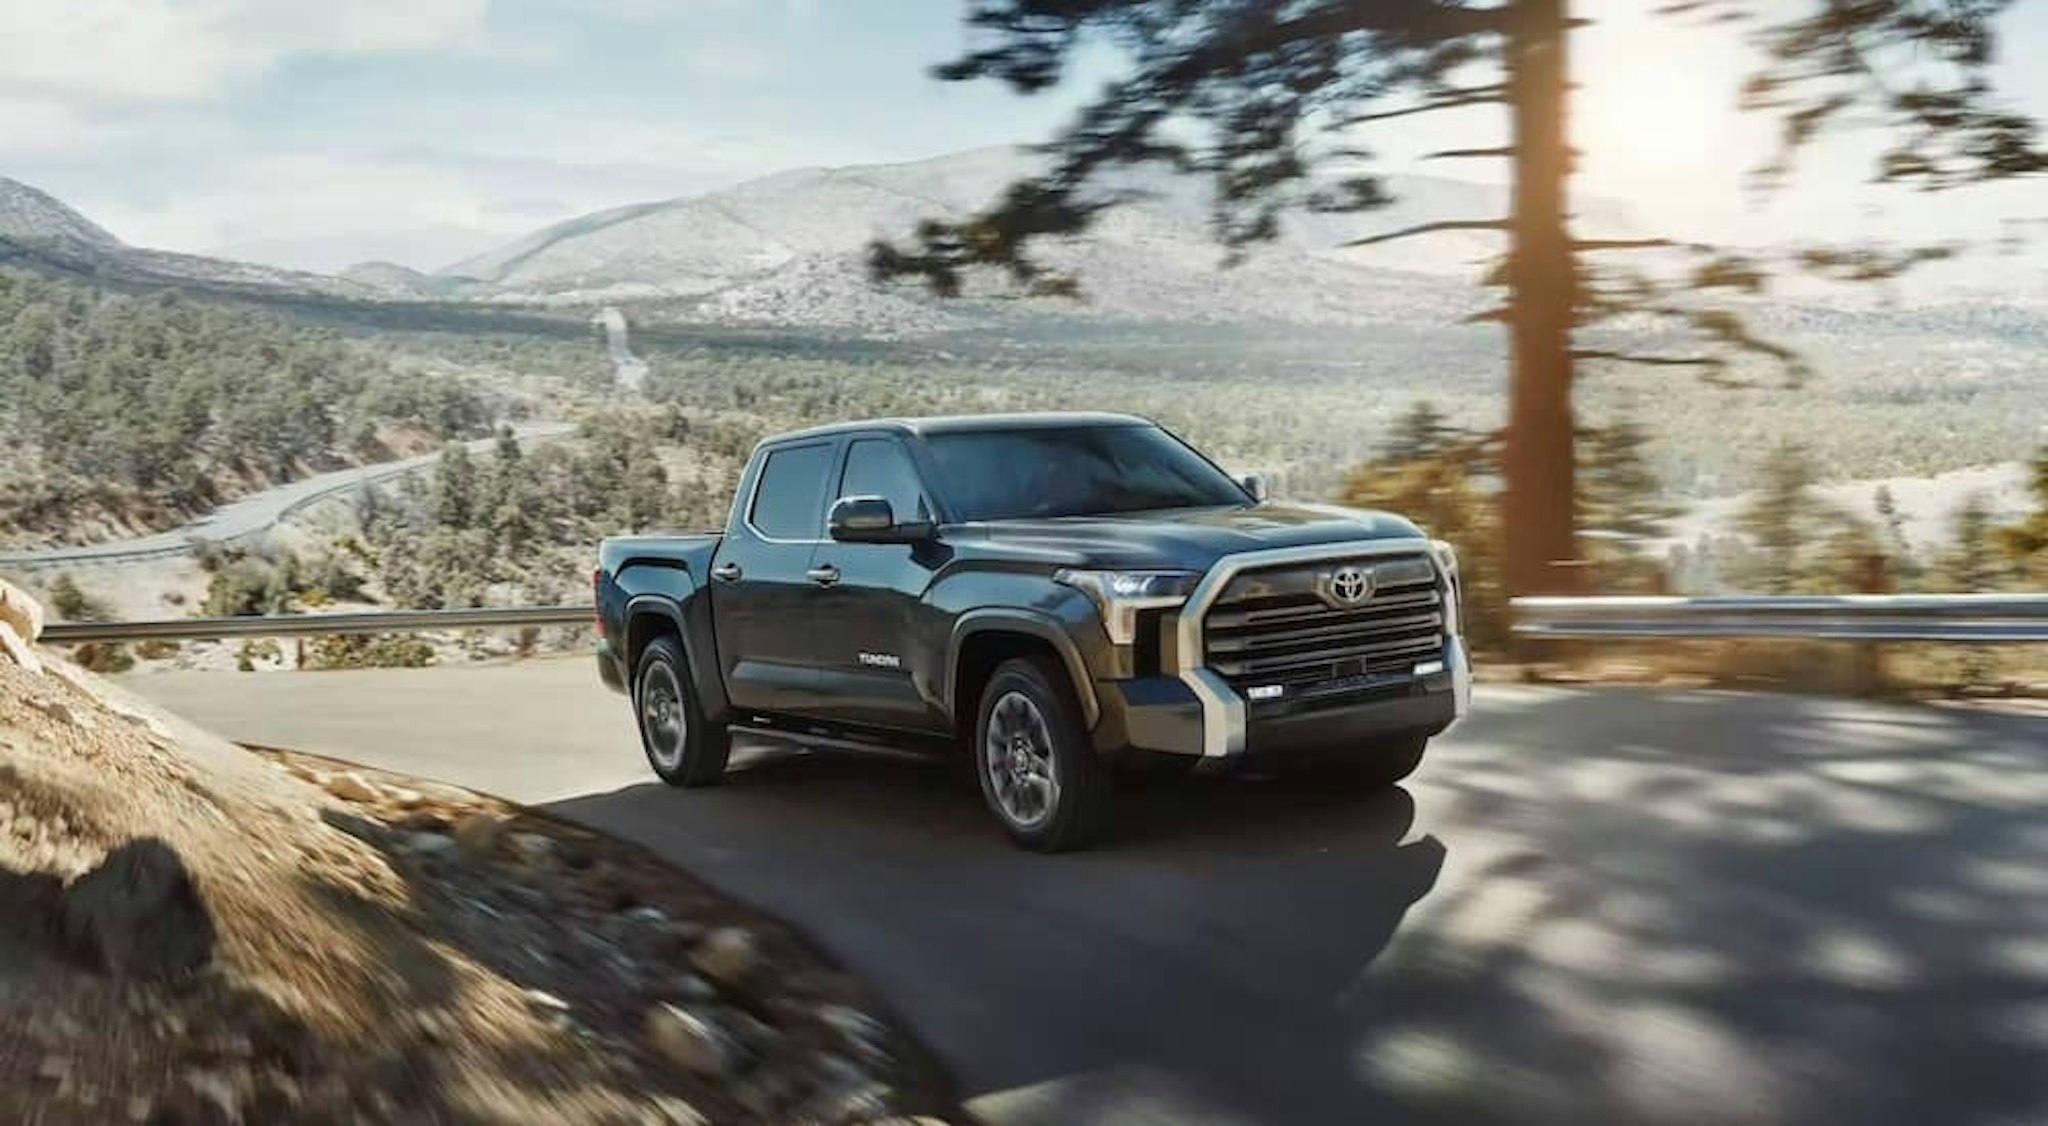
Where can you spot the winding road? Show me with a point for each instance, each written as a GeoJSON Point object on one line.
{"type": "Point", "coordinates": [251, 515]}
{"type": "Point", "coordinates": [1590, 906]}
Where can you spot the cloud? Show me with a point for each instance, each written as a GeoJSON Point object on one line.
{"type": "Point", "coordinates": [46, 125]}
{"type": "Point", "coordinates": [158, 50]}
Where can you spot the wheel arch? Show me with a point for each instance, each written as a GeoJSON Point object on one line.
{"type": "Point", "coordinates": [983, 640]}
{"type": "Point", "coordinates": [649, 616]}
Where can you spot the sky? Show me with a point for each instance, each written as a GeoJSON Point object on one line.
{"type": "Point", "coordinates": [315, 133]}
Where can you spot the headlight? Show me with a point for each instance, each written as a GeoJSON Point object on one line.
{"type": "Point", "coordinates": [1446, 556]}
{"type": "Point", "coordinates": [1119, 595]}
{"type": "Point", "coordinates": [1454, 596]}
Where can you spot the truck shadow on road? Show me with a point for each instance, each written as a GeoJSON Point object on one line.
{"type": "Point", "coordinates": [1226, 917]}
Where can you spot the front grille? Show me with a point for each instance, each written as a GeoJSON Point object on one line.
{"type": "Point", "coordinates": [1274, 626]}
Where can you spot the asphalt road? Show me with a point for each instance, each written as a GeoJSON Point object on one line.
{"type": "Point", "coordinates": [1590, 906]}
{"type": "Point", "coordinates": [255, 513]}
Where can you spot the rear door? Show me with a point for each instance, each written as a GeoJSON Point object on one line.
{"type": "Point", "coordinates": [763, 601]}
{"type": "Point", "coordinates": [875, 654]}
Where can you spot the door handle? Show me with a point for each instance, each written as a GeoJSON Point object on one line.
{"type": "Point", "coordinates": [726, 572]}
{"type": "Point", "coordinates": [823, 576]}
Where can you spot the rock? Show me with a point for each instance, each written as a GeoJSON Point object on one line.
{"type": "Point", "coordinates": [138, 1109]}
{"type": "Point", "coordinates": [653, 916]}
{"type": "Point", "coordinates": [54, 1068]}
{"type": "Point", "coordinates": [694, 1043]}
{"type": "Point", "coordinates": [751, 1030]}
{"type": "Point", "coordinates": [139, 914]}
{"type": "Point", "coordinates": [201, 1098]}
{"type": "Point", "coordinates": [532, 848]}
{"type": "Point", "coordinates": [402, 797]}
{"type": "Point", "coordinates": [478, 834]}
{"type": "Point", "coordinates": [866, 1035]}
{"type": "Point", "coordinates": [689, 987]}
{"type": "Point", "coordinates": [352, 787]}
{"type": "Point", "coordinates": [545, 1001]}
{"type": "Point", "coordinates": [727, 956]}
{"type": "Point", "coordinates": [62, 712]}
{"type": "Point", "coordinates": [671, 1111]}
{"type": "Point", "coordinates": [423, 821]}
{"type": "Point", "coordinates": [430, 844]}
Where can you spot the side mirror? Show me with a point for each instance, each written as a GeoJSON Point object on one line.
{"type": "Point", "coordinates": [870, 520]}
{"type": "Point", "coordinates": [1255, 484]}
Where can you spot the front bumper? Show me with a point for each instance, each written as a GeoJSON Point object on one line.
{"type": "Point", "coordinates": [1167, 715]}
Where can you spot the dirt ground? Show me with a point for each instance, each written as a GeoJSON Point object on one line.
{"type": "Point", "coordinates": [193, 933]}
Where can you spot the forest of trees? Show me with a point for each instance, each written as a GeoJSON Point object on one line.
{"type": "Point", "coordinates": [135, 412]}
{"type": "Point", "coordinates": [521, 526]}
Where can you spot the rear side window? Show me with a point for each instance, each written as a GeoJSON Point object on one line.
{"type": "Point", "coordinates": [789, 503]}
{"type": "Point", "coordinates": [876, 467]}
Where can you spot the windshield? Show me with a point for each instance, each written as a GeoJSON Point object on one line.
{"type": "Point", "coordinates": [1074, 471]}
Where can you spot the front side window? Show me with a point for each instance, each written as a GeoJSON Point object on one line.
{"type": "Point", "coordinates": [877, 467]}
{"type": "Point", "coordinates": [789, 503]}
{"type": "Point", "coordinates": [1074, 471]}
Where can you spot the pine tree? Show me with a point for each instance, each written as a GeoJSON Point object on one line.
{"type": "Point", "coordinates": [1779, 520]}
{"type": "Point", "coordinates": [1419, 434]}
{"type": "Point", "coordinates": [455, 488]}
{"type": "Point", "coordinates": [2025, 544]}
{"type": "Point", "coordinates": [1262, 97]}
{"type": "Point", "coordinates": [1621, 494]}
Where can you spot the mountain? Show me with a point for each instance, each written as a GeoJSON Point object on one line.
{"type": "Point", "coordinates": [31, 213]}
{"type": "Point", "coordinates": [333, 252]}
{"type": "Point", "coordinates": [789, 249]}
{"type": "Point", "coordinates": [40, 232]}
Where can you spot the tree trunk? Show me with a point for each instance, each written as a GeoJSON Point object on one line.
{"type": "Point", "coordinates": [1538, 458]}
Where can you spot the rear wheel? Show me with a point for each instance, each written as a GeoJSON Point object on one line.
{"type": "Point", "coordinates": [1038, 773]}
{"type": "Point", "coordinates": [682, 746]}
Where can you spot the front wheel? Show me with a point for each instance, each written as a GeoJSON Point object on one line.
{"type": "Point", "coordinates": [682, 746]}
{"type": "Point", "coordinates": [1038, 773]}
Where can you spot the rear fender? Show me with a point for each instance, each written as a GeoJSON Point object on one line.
{"type": "Point", "coordinates": [676, 605]}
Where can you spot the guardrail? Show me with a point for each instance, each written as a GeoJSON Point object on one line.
{"type": "Point", "coordinates": [1964, 618]}
{"type": "Point", "coordinates": [1967, 618]}
{"type": "Point", "coordinates": [317, 625]}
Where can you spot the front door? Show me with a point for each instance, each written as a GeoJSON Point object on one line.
{"type": "Point", "coordinates": [763, 599]}
{"type": "Point", "coordinates": [877, 664]}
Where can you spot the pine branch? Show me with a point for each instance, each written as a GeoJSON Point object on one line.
{"type": "Point", "coordinates": [1464, 154]}
{"type": "Point", "coordinates": [1467, 96]}
{"type": "Point", "coordinates": [1649, 361]}
{"type": "Point", "coordinates": [1432, 228]}
{"type": "Point", "coordinates": [1588, 244]}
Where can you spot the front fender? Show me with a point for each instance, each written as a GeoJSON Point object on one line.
{"type": "Point", "coordinates": [1032, 623]}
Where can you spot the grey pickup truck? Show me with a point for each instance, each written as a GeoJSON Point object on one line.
{"type": "Point", "coordinates": [1060, 595]}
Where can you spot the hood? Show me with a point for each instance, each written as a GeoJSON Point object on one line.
{"type": "Point", "coordinates": [1187, 539]}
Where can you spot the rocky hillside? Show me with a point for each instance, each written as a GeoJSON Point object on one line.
{"type": "Point", "coordinates": [191, 933]}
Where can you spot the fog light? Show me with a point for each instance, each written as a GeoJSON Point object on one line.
{"type": "Point", "coordinates": [1429, 668]}
{"type": "Point", "coordinates": [1266, 692]}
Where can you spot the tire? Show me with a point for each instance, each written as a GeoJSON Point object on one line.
{"type": "Point", "coordinates": [682, 746]}
{"type": "Point", "coordinates": [1039, 775]}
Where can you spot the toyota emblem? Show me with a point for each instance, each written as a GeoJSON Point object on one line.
{"type": "Point", "coordinates": [1349, 586]}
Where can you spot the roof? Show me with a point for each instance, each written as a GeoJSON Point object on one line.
{"type": "Point", "coordinates": [965, 423]}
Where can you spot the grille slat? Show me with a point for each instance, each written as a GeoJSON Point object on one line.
{"type": "Point", "coordinates": [1313, 609]}
{"type": "Point", "coordinates": [1272, 627]}
{"type": "Point", "coordinates": [1429, 624]}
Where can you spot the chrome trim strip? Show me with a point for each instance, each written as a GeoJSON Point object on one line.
{"type": "Point", "coordinates": [1223, 717]}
